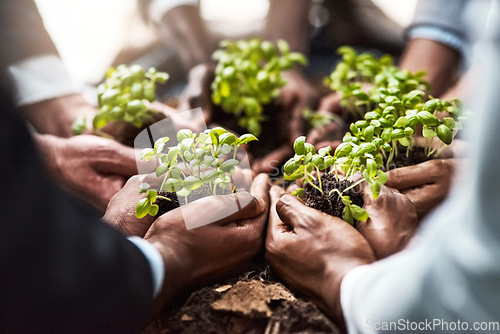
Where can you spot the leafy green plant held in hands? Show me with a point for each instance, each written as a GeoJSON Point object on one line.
{"type": "Point", "coordinates": [308, 165]}
{"type": "Point", "coordinates": [248, 75]}
{"type": "Point", "coordinates": [359, 76]}
{"type": "Point", "coordinates": [205, 159]}
{"type": "Point", "coordinates": [120, 97]}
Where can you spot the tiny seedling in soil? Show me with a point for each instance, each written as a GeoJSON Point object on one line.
{"type": "Point", "coordinates": [198, 166]}
{"type": "Point", "coordinates": [121, 99]}
{"type": "Point", "coordinates": [248, 76]}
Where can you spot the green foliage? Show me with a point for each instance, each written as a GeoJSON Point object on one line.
{"type": "Point", "coordinates": [207, 158]}
{"type": "Point", "coordinates": [307, 164]}
{"type": "Point", "coordinates": [120, 97]}
{"type": "Point", "coordinates": [248, 75]}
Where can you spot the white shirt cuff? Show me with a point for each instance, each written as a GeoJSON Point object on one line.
{"type": "Point", "coordinates": [41, 78]}
{"type": "Point", "coordinates": [158, 8]}
{"type": "Point", "coordinates": [155, 262]}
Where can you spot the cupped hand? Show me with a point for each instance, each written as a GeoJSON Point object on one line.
{"type": "Point", "coordinates": [120, 212]}
{"type": "Point", "coordinates": [328, 105]}
{"type": "Point", "coordinates": [313, 251]}
{"type": "Point", "coordinates": [197, 92]}
{"type": "Point", "coordinates": [426, 184]}
{"type": "Point", "coordinates": [224, 245]}
{"type": "Point", "coordinates": [392, 223]}
{"type": "Point", "coordinates": [95, 168]}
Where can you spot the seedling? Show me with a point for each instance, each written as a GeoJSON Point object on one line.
{"type": "Point", "coordinates": [248, 76]}
{"type": "Point", "coordinates": [309, 165]}
{"type": "Point", "coordinates": [120, 98]}
{"type": "Point", "coordinates": [195, 161]}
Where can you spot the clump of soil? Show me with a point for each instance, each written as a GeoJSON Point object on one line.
{"type": "Point", "coordinates": [126, 133]}
{"type": "Point", "coordinates": [415, 156]}
{"type": "Point", "coordinates": [175, 201]}
{"type": "Point", "coordinates": [251, 303]}
{"type": "Point", "coordinates": [330, 203]}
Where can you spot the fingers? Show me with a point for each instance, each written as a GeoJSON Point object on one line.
{"type": "Point", "coordinates": [260, 189]}
{"type": "Point", "coordinates": [294, 213]}
{"type": "Point", "coordinates": [118, 159]}
{"type": "Point", "coordinates": [272, 162]}
{"type": "Point", "coordinates": [417, 175]}
{"type": "Point", "coordinates": [331, 103]}
{"type": "Point", "coordinates": [275, 226]}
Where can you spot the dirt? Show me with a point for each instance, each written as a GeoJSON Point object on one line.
{"type": "Point", "coordinates": [330, 202]}
{"type": "Point", "coordinates": [415, 156]}
{"type": "Point", "coordinates": [254, 302]}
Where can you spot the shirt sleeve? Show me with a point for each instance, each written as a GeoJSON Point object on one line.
{"type": "Point", "coordinates": [155, 262]}
{"type": "Point", "coordinates": [41, 78]}
{"type": "Point", "coordinates": [158, 8]}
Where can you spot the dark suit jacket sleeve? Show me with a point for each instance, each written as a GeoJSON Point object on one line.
{"type": "Point", "coordinates": [22, 33]}
{"type": "Point", "coordinates": [62, 269]}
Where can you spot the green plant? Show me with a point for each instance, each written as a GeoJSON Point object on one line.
{"type": "Point", "coordinates": [205, 159]}
{"type": "Point", "coordinates": [120, 97]}
{"type": "Point", "coordinates": [248, 75]}
{"type": "Point", "coordinates": [316, 119]}
{"type": "Point", "coordinates": [308, 165]}
{"type": "Point", "coordinates": [358, 77]}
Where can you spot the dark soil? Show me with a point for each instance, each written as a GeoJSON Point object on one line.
{"type": "Point", "coordinates": [330, 204]}
{"type": "Point", "coordinates": [415, 156]}
{"type": "Point", "coordinates": [126, 132]}
{"type": "Point", "coordinates": [175, 201]}
{"type": "Point", "coordinates": [254, 302]}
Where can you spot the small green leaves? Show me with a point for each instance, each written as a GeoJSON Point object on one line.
{"type": "Point", "coordinates": [197, 160]}
{"type": "Point", "coordinates": [444, 133]}
{"type": "Point", "coordinates": [298, 145]}
{"type": "Point", "coordinates": [79, 126]}
{"type": "Point", "coordinates": [120, 96]}
{"type": "Point", "coordinates": [248, 76]}
{"type": "Point", "coordinates": [428, 119]}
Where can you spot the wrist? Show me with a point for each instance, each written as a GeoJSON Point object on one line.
{"type": "Point", "coordinates": [48, 147]}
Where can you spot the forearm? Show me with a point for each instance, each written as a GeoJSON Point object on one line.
{"type": "Point", "coordinates": [190, 36]}
{"type": "Point", "coordinates": [440, 62]}
{"type": "Point", "coordinates": [289, 21]}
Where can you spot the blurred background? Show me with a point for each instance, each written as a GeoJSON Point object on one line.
{"type": "Point", "coordinates": [92, 35]}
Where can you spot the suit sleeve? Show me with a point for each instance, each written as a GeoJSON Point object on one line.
{"type": "Point", "coordinates": [63, 270]}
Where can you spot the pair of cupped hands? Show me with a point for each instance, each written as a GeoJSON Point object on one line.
{"type": "Point", "coordinates": [311, 251]}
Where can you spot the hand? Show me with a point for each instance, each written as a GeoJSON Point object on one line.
{"type": "Point", "coordinates": [426, 184]}
{"type": "Point", "coordinates": [392, 223]}
{"type": "Point", "coordinates": [272, 161]}
{"type": "Point", "coordinates": [296, 95]}
{"type": "Point", "coordinates": [56, 116]}
{"type": "Point", "coordinates": [120, 212]}
{"type": "Point", "coordinates": [201, 255]}
{"type": "Point", "coordinates": [181, 118]}
{"type": "Point", "coordinates": [313, 251]}
{"type": "Point", "coordinates": [197, 92]}
{"type": "Point", "coordinates": [328, 105]}
{"type": "Point", "coordinates": [95, 168]}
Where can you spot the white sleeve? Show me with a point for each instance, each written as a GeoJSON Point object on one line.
{"type": "Point", "coordinates": [41, 78]}
{"type": "Point", "coordinates": [155, 262]}
{"type": "Point", "coordinates": [158, 8]}
{"type": "Point", "coordinates": [449, 281]}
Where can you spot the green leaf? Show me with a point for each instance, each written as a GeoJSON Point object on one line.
{"type": "Point", "coordinates": [210, 175]}
{"type": "Point", "coordinates": [227, 138]}
{"type": "Point", "coordinates": [183, 192]}
{"type": "Point", "coordinates": [246, 138]}
{"type": "Point", "coordinates": [172, 185]}
{"type": "Point", "coordinates": [191, 183]}
{"type": "Point", "coordinates": [299, 192]}
{"type": "Point", "coordinates": [144, 187]}
{"type": "Point", "coordinates": [184, 134]}
{"type": "Point", "coordinates": [153, 211]}
{"type": "Point", "coordinates": [79, 126]}
{"type": "Point", "coordinates": [298, 145]}
{"type": "Point", "coordinates": [444, 133]}
{"type": "Point", "coordinates": [291, 166]}
{"type": "Point", "coordinates": [142, 208]}
{"type": "Point", "coordinates": [359, 213]}
{"type": "Point", "coordinates": [426, 118]}
{"type": "Point", "coordinates": [428, 132]}
{"type": "Point", "coordinates": [151, 195]}
{"type": "Point", "coordinates": [324, 151]}
{"type": "Point", "coordinates": [161, 169]}
{"type": "Point", "coordinates": [228, 165]}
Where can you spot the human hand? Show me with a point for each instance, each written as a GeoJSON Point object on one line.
{"type": "Point", "coordinates": [198, 256]}
{"type": "Point", "coordinates": [56, 116]}
{"type": "Point", "coordinates": [328, 105]}
{"type": "Point", "coordinates": [392, 223]}
{"type": "Point", "coordinates": [120, 212]}
{"type": "Point", "coordinates": [426, 184]}
{"type": "Point", "coordinates": [296, 95]}
{"type": "Point", "coordinates": [313, 251]}
{"type": "Point", "coordinates": [95, 168]}
{"type": "Point", "coordinates": [272, 161]}
{"type": "Point", "coordinates": [197, 92]}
